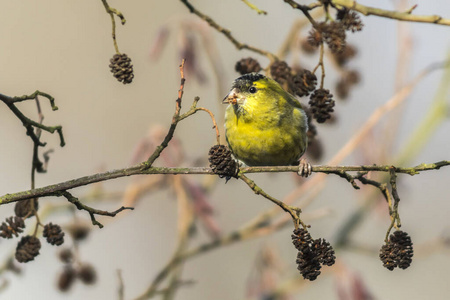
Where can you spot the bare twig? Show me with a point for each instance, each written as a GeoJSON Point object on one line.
{"type": "Point", "coordinates": [36, 165]}
{"type": "Point", "coordinates": [346, 176]}
{"type": "Point", "coordinates": [305, 9]}
{"type": "Point", "coordinates": [92, 211]}
{"type": "Point", "coordinates": [393, 207]}
{"type": "Point", "coordinates": [293, 211]}
{"type": "Point", "coordinates": [173, 125]}
{"type": "Point", "coordinates": [176, 119]}
{"type": "Point", "coordinates": [11, 100]}
{"type": "Point", "coordinates": [381, 186]}
{"type": "Point", "coordinates": [322, 66]}
{"type": "Point", "coordinates": [246, 232]}
{"type": "Point", "coordinates": [30, 124]}
{"type": "Point", "coordinates": [112, 11]}
{"type": "Point", "coordinates": [227, 32]}
{"type": "Point", "coordinates": [252, 6]}
{"type": "Point", "coordinates": [195, 109]}
{"type": "Point", "coordinates": [291, 39]}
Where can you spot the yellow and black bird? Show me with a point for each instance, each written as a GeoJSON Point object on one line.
{"type": "Point", "coordinates": [264, 124]}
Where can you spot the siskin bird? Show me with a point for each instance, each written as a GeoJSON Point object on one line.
{"type": "Point", "coordinates": [264, 124]}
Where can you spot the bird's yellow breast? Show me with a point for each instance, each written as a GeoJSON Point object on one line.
{"type": "Point", "coordinates": [258, 137]}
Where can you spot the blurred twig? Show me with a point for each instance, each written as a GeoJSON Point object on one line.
{"type": "Point", "coordinates": [227, 32]}
{"type": "Point", "coordinates": [173, 267]}
{"type": "Point", "coordinates": [252, 6]}
{"type": "Point", "coordinates": [297, 26]}
{"type": "Point", "coordinates": [437, 113]}
{"type": "Point", "coordinates": [120, 290]}
{"type": "Point", "coordinates": [405, 51]}
{"type": "Point", "coordinates": [416, 143]}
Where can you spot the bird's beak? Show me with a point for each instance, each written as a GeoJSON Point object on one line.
{"type": "Point", "coordinates": [232, 98]}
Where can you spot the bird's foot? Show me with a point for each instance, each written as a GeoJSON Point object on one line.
{"type": "Point", "coordinates": [304, 168]}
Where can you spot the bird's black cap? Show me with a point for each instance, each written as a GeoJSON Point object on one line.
{"type": "Point", "coordinates": [245, 81]}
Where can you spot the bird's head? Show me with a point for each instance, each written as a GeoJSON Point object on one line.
{"type": "Point", "coordinates": [246, 87]}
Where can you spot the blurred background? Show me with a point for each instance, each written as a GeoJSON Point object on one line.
{"type": "Point", "coordinates": [63, 48]}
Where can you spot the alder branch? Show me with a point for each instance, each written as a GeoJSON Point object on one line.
{"type": "Point", "coordinates": [401, 16]}
{"type": "Point", "coordinates": [368, 10]}
{"type": "Point", "coordinates": [37, 165]}
{"type": "Point", "coordinates": [51, 190]}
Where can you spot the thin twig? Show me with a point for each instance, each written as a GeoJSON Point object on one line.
{"type": "Point", "coordinates": [393, 211]}
{"type": "Point", "coordinates": [252, 6]}
{"type": "Point", "coordinates": [346, 176]}
{"type": "Point", "coordinates": [214, 122]}
{"type": "Point", "coordinates": [322, 66]}
{"type": "Point", "coordinates": [30, 124]}
{"type": "Point", "coordinates": [246, 232]}
{"type": "Point", "coordinates": [36, 165]}
{"type": "Point", "coordinates": [436, 115]}
{"type": "Point", "coordinates": [227, 32]}
{"type": "Point", "coordinates": [173, 125]}
{"type": "Point", "coordinates": [293, 211]}
{"type": "Point", "coordinates": [228, 239]}
{"type": "Point", "coordinates": [291, 38]}
{"type": "Point", "coordinates": [195, 109]}
{"type": "Point", "coordinates": [112, 11]}
{"type": "Point", "coordinates": [381, 186]}
{"type": "Point", "coordinates": [11, 100]}
{"type": "Point", "coordinates": [92, 211]}
{"type": "Point", "coordinates": [305, 9]}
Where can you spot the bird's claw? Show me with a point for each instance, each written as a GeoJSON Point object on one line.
{"type": "Point", "coordinates": [304, 168]}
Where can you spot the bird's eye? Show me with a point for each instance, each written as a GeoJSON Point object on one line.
{"type": "Point", "coordinates": [252, 90]}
